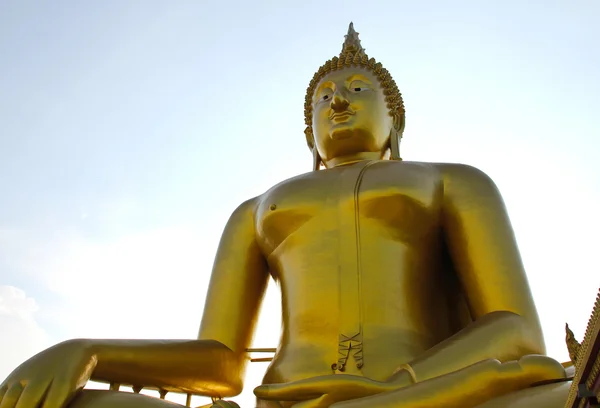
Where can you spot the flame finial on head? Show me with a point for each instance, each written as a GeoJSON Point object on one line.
{"type": "Point", "coordinates": [352, 43]}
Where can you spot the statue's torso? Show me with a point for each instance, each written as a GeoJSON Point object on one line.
{"type": "Point", "coordinates": [357, 251]}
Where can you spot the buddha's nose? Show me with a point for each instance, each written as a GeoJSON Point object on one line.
{"type": "Point", "coordinates": [339, 102]}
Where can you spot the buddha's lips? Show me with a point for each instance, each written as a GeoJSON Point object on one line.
{"type": "Point", "coordinates": [338, 114]}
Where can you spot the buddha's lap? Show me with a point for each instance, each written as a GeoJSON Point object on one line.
{"type": "Point", "coordinates": [544, 396]}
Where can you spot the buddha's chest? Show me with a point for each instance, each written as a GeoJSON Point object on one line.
{"type": "Point", "coordinates": [393, 200]}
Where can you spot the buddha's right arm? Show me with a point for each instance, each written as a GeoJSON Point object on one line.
{"type": "Point", "coordinates": [213, 365]}
{"type": "Point", "coordinates": [204, 367]}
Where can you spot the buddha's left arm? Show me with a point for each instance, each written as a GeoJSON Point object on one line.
{"type": "Point", "coordinates": [485, 256]}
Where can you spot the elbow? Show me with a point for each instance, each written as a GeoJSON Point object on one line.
{"type": "Point", "coordinates": [231, 378]}
{"type": "Point", "coordinates": [232, 372]}
{"type": "Point", "coordinates": [214, 388]}
{"type": "Point", "coordinates": [227, 375]}
{"type": "Point", "coordinates": [226, 388]}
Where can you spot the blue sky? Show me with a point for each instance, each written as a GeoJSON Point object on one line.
{"type": "Point", "coordinates": [129, 131]}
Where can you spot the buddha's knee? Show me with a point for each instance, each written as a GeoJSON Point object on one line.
{"type": "Point", "coordinates": [115, 399]}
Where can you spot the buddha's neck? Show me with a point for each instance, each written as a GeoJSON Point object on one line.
{"type": "Point", "coordinates": [353, 158]}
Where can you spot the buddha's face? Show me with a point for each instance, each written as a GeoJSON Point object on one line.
{"type": "Point", "coordinates": [350, 114]}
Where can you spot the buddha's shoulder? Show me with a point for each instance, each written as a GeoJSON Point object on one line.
{"type": "Point", "coordinates": [294, 184]}
{"type": "Point", "coordinates": [445, 170]}
{"type": "Point", "coordinates": [453, 175]}
{"type": "Point", "coordinates": [458, 170]}
{"type": "Point", "coordinates": [464, 177]}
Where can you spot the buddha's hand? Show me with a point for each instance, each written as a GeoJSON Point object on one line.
{"type": "Point", "coordinates": [50, 378]}
{"type": "Point", "coordinates": [323, 391]}
{"type": "Point", "coordinates": [468, 387]}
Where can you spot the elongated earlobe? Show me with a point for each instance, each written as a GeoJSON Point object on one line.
{"type": "Point", "coordinates": [395, 137]}
{"type": "Point", "coordinates": [316, 159]}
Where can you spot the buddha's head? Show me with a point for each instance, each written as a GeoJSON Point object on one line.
{"type": "Point", "coordinates": [353, 106]}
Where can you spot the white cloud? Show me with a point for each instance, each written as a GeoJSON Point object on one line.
{"type": "Point", "coordinates": [20, 334]}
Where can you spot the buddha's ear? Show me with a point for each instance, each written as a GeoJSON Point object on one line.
{"type": "Point", "coordinates": [396, 136]}
{"type": "Point", "coordinates": [316, 159]}
{"type": "Point", "coordinates": [310, 138]}
{"type": "Point", "coordinates": [310, 141]}
{"type": "Point", "coordinates": [394, 145]}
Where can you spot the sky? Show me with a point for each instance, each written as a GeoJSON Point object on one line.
{"type": "Point", "coordinates": [130, 130]}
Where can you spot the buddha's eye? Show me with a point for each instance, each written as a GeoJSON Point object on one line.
{"type": "Point", "coordinates": [357, 89]}
{"type": "Point", "coordinates": [358, 86]}
{"type": "Point", "coordinates": [325, 96]}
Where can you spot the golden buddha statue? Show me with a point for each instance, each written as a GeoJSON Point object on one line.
{"type": "Point", "coordinates": [401, 284]}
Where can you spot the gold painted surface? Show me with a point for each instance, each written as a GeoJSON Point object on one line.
{"type": "Point", "coordinates": [401, 283]}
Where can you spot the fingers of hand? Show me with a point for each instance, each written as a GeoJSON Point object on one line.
{"type": "Point", "coordinates": [293, 391]}
{"type": "Point", "coordinates": [310, 388]}
{"type": "Point", "coordinates": [314, 388]}
{"type": "Point", "coordinates": [58, 394]}
{"type": "Point", "coordinates": [33, 394]}
{"type": "Point", "coordinates": [63, 389]}
{"type": "Point", "coordinates": [11, 396]}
